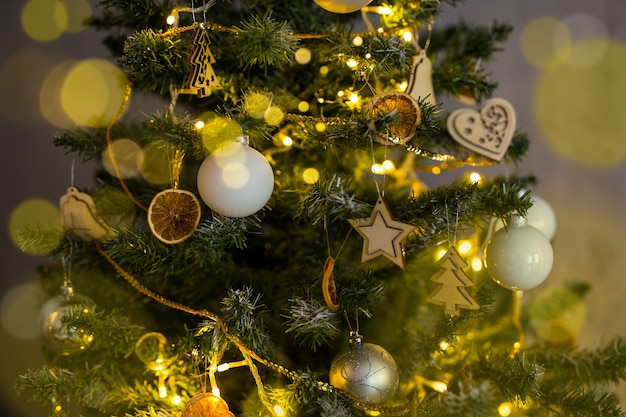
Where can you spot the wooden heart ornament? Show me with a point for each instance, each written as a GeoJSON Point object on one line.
{"type": "Point", "coordinates": [488, 132]}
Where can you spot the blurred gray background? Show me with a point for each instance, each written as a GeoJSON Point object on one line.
{"type": "Point", "coordinates": [563, 69]}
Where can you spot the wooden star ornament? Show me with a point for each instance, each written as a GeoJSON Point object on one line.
{"type": "Point", "coordinates": [382, 234]}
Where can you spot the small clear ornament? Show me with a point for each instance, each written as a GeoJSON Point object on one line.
{"type": "Point", "coordinates": [58, 337]}
{"type": "Point", "coordinates": [365, 370]}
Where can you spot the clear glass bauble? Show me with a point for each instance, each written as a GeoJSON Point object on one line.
{"type": "Point", "coordinates": [366, 371]}
{"type": "Point", "coordinates": [342, 6]}
{"type": "Point", "coordinates": [235, 180]}
{"type": "Point", "coordinates": [55, 335]}
{"type": "Point", "coordinates": [519, 256]}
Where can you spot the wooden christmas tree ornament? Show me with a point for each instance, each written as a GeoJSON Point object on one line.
{"type": "Point", "coordinates": [452, 293]}
{"type": "Point", "coordinates": [202, 77]}
{"type": "Point", "coordinates": [78, 213]}
{"type": "Point", "coordinates": [488, 132]}
{"type": "Point", "coordinates": [382, 235]}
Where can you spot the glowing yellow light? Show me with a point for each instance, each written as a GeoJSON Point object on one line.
{"type": "Point", "coordinates": [171, 19]}
{"type": "Point", "coordinates": [320, 126]}
{"type": "Point", "coordinates": [235, 175]}
{"type": "Point", "coordinates": [465, 246]}
{"type": "Point", "coordinates": [176, 399]}
{"type": "Point", "coordinates": [215, 391]}
{"type": "Point", "coordinates": [505, 409]}
{"type": "Point", "coordinates": [58, 408]}
{"type": "Point", "coordinates": [373, 413]}
{"type": "Point", "coordinates": [439, 254]}
{"type": "Point", "coordinates": [92, 92]}
{"type": "Point", "coordinates": [354, 98]}
{"type": "Point", "coordinates": [199, 124]}
{"type": "Point", "coordinates": [311, 175]}
{"type": "Point", "coordinates": [435, 170]}
{"type": "Point", "coordinates": [377, 169]}
{"type": "Point", "coordinates": [44, 20]}
{"type": "Point", "coordinates": [357, 41]}
{"type": "Point", "coordinates": [444, 345]}
{"type": "Point", "coordinates": [475, 177]}
{"type": "Point", "coordinates": [279, 411]}
{"type": "Point", "coordinates": [303, 106]}
{"type": "Point", "coordinates": [303, 56]}
{"type": "Point", "coordinates": [385, 11]}
{"type": "Point", "coordinates": [324, 70]}
{"type": "Point", "coordinates": [352, 63]}
{"type": "Point", "coordinates": [388, 165]}
{"type": "Point", "coordinates": [341, 93]}
{"type": "Point", "coordinates": [517, 345]}
{"type": "Point", "coordinates": [403, 86]}
{"type": "Point", "coordinates": [128, 157]}
{"type": "Point", "coordinates": [407, 36]}
{"type": "Point", "coordinates": [223, 367]}
{"type": "Point", "coordinates": [31, 214]}
{"type": "Point", "coordinates": [162, 391]}
{"type": "Point", "coordinates": [439, 386]}
{"type": "Point", "coordinates": [477, 264]}
{"type": "Point", "coordinates": [287, 141]}
{"type": "Point", "coordinates": [368, 55]}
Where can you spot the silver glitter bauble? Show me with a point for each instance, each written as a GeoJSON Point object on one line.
{"type": "Point", "coordinates": [57, 337]}
{"type": "Point", "coordinates": [366, 371]}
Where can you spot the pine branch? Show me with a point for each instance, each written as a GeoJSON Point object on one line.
{"type": "Point", "coordinates": [603, 365]}
{"type": "Point", "coordinates": [329, 200]}
{"type": "Point", "coordinates": [311, 323]}
{"type": "Point", "coordinates": [243, 316]}
{"type": "Point", "coordinates": [264, 42]}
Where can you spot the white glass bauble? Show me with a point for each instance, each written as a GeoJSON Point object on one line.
{"type": "Point", "coordinates": [342, 6]}
{"type": "Point", "coordinates": [55, 335]}
{"type": "Point", "coordinates": [365, 370]}
{"type": "Point", "coordinates": [519, 257]}
{"type": "Point", "coordinates": [235, 180]}
{"type": "Point", "coordinates": [540, 215]}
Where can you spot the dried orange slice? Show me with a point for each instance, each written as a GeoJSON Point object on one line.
{"type": "Point", "coordinates": [404, 114]}
{"type": "Point", "coordinates": [173, 215]}
{"type": "Point", "coordinates": [328, 284]}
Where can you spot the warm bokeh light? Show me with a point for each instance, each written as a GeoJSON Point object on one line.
{"type": "Point", "coordinates": [78, 12]}
{"type": "Point", "coordinates": [320, 126]}
{"type": "Point", "coordinates": [34, 214]}
{"type": "Point", "coordinates": [155, 163]}
{"type": "Point", "coordinates": [50, 96]}
{"type": "Point", "coordinates": [125, 155]}
{"type": "Point", "coordinates": [505, 409]}
{"type": "Point", "coordinates": [235, 175]}
{"type": "Point", "coordinates": [310, 175]}
{"type": "Point", "coordinates": [303, 106]}
{"type": "Point", "coordinates": [303, 56]}
{"type": "Point", "coordinates": [582, 27]}
{"type": "Point", "coordinates": [287, 141]}
{"type": "Point", "coordinates": [476, 264]}
{"type": "Point", "coordinates": [279, 411]}
{"type": "Point", "coordinates": [464, 247]}
{"type": "Point", "coordinates": [357, 41]}
{"type": "Point", "coordinates": [19, 312]}
{"type": "Point", "coordinates": [219, 130]}
{"type": "Point", "coordinates": [545, 42]}
{"type": "Point", "coordinates": [45, 20]}
{"type": "Point", "coordinates": [21, 76]}
{"type": "Point", "coordinates": [579, 109]}
{"type": "Point", "coordinates": [556, 316]}
{"type": "Point", "coordinates": [92, 92]}
{"type": "Point", "coordinates": [475, 177]}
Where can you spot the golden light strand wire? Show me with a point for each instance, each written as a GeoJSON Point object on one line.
{"type": "Point", "coordinates": [245, 350]}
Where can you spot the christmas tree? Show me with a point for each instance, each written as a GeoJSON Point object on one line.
{"type": "Point", "coordinates": [263, 242]}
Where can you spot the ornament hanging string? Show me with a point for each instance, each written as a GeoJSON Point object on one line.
{"type": "Point", "coordinates": [125, 98]}
{"type": "Point", "coordinates": [293, 375]}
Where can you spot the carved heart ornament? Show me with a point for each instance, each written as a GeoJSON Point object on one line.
{"type": "Point", "coordinates": [488, 132]}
